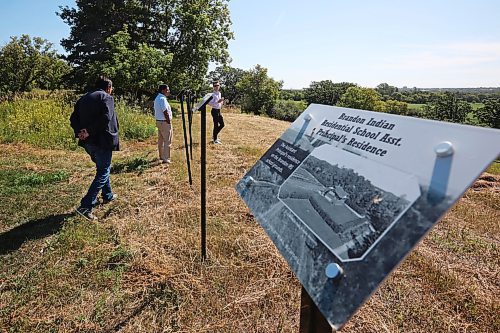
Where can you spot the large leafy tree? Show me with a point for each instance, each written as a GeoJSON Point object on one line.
{"type": "Point", "coordinates": [362, 98]}
{"type": "Point", "coordinates": [27, 63]}
{"type": "Point", "coordinates": [260, 92]}
{"type": "Point", "coordinates": [326, 92]}
{"type": "Point", "coordinates": [135, 72]}
{"type": "Point", "coordinates": [292, 94]}
{"type": "Point", "coordinates": [489, 114]}
{"type": "Point", "coordinates": [195, 32]}
{"type": "Point", "coordinates": [448, 107]}
{"type": "Point", "coordinates": [229, 78]}
{"type": "Point", "coordinates": [320, 92]}
{"type": "Point", "coordinates": [396, 107]}
{"type": "Point", "coordinates": [386, 91]}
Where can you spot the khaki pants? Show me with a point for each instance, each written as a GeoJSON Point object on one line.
{"type": "Point", "coordinates": [164, 139]}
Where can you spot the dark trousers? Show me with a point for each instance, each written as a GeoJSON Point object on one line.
{"type": "Point", "coordinates": [218, 122]}
{"type": "Point", "coordinates": [102, 159]}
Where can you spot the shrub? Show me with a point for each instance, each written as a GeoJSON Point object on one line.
{"type": "Point", "coordinates": [260, 91]}
{"type": "Point", "coordinates": [287, 110]}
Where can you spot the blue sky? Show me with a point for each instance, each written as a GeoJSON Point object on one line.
{"type": "Point", "coordinates": [425, 43]}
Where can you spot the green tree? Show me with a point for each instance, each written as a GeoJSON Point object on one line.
{"type": "Point", "coordinates": [320, 92]}
{"type": "Point", "coordinates": [229, 78]}
{"type": "Point", "coordinates": [292, 94]}
{"type": "Point", "coordinates": [54, 73]}
{"type": "Point", "coordinates": [361, 98]}
{"type": "Point", "coordinates": [134, 72]}
{"type": "Point", "coordinates": [448, 107]}
{"type": "Point", "coordinates": [259, 92]}
{"type": "Point", "coordinates": [326, 92]}
{"type": "Point", "coordinates": [385, 90]}
{"type": "Point", "coordinates": [287, 110]}
{"type": "Point", "coordinates": [489, 114]}
{"type": "Point", "coordinates": [396, 107]}
{"type": "Point", "coordinates": [27, 63]}
{"type": "Point", "coordinates": [195, 32]}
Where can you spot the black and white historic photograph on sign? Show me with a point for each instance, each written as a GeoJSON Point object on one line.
{"type": "Point", "coordinates": [358, 190]}
{"type": "Point", "coordinates": [346, 200]}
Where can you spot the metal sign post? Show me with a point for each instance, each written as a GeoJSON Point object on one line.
{"type": "Point", "coordinates": [203, 172]}
{"type": "Point", "coordinates": [311, 319]}
{"type": "Point", "coordinates": [185, 140]}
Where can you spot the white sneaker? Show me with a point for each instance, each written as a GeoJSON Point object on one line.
{"type": "Point", "coordinates": [217, 142]}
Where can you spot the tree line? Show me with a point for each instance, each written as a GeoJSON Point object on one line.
{"type": "Point", "coordinates": [150, 42]}
{"type": "Point", "coordinates": [255, 92]}
{"type": "Point", "coordinates": [139, 44]}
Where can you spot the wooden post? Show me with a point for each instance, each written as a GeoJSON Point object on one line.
{"type": "Point", "coordinates": [311, 319]}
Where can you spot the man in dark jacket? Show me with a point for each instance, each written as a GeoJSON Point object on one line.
{"type": "Point", "coordinates": [96, 127]}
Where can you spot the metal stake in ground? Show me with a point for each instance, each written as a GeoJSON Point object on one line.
{"type": "Point", "coordinates": [311, 319]}
{"type": "Point", "coordinates": [190, 105]}
{"type": "Point", "coordinates": [185, 140]}
{"type": "Point", "coordinates": [203, 143]}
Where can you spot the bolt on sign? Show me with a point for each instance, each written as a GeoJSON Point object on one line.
{"type": "Point", "coordinates": [346, 194]}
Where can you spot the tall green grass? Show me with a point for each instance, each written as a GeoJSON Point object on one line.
{"type": "Point", "coordinates": [44, 122]}
{"type": "Point", "coordinates": [39, 122]}
{"type": "Point", "coordinates": [134, 123]}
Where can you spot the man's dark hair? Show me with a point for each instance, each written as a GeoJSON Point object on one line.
{"type": "Point", "coordinates": [162, 87]}
{"type": "Point", "coordinates": [103, 83]}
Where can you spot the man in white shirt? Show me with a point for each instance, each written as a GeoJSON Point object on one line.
{"type": "Point", "coordinates": [216, 104]}
{"type": "Point", "coordinates": [163, 115]}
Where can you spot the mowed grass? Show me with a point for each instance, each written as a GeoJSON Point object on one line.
{"type": "Point", "coordinates": [139, 270]}
{"type": "Point", "coordinates": [416, 107]}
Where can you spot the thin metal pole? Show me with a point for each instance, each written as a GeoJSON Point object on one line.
{"type": "Point", "coordinates": [190, 105]}
{"type": "Point", "coordinates": [185, 141]}
{"type": "Point", "coordinates": [203, 161]}
{"type": "Point", "coordinates": [311, 319]}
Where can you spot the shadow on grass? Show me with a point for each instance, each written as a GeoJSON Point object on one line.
{"type": "Point", "coordinates": [136, 164]}
{"type": "Point", "coordinates": [160, 293]}
{"type": "Point", "coordinates": [35, 229]}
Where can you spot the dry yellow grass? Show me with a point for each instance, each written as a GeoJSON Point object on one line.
{"type": "Point", "coordinates": [138, 269]}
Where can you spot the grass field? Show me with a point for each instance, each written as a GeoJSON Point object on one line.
{"type": "Point", "coordinates": [138, 269]}
{"type": "Point", "coordinates": [416, 107]}
{"type": "Point", "coordinates": [476, 106]}
{"type": "Point", "coordinates": [420, 107]}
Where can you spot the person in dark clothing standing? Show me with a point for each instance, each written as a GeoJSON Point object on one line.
{"type": "Point", "coordinates": [96, 127]}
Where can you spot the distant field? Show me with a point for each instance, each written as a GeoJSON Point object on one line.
{"type": "Point", "coordinates": [420, 107]}
{"type": "Point", "coordinates": [476, 106]}
{"type": "Point", "coordinates": [416, 107]}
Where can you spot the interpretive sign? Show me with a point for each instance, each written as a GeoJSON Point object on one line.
{"type": "Point", "coordinates": [203, 101]}
{"type": "Point", "coordinates": [345, 194]}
